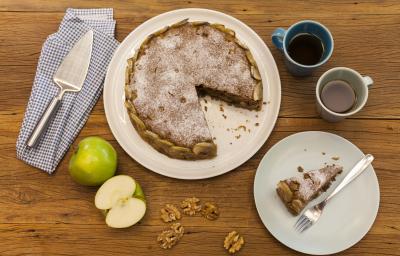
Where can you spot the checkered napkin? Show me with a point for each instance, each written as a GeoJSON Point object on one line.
{"type": "Point", "coordinates": [75, 107]}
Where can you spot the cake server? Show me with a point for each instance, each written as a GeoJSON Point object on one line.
{"type": "Point", "coordinates": [312, 214]}
{"type": "Point", "coordinates": [70, 77]}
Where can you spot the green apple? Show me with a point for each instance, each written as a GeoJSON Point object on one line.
{"type": "Point", "coordinates": [94, 162]}
{"type": "Point", "coordinates": [122, 201]}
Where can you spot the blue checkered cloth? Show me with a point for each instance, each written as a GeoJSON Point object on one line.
{"type": "Point", "coordinates": [75, 107]}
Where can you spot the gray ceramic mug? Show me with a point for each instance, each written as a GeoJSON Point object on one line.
{"type": "Point", "coordinates": [360, 85]}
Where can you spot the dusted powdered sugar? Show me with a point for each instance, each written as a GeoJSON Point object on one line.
{"type": "Point", "coordinates": [313, 181]}
{"type": "Point", "coordinates": [166, 76]}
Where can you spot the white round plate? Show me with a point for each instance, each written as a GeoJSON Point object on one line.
{"type": "Point", "coordinates": [234, 146]}
{"type": "Point", "coordinates": [346, 218]}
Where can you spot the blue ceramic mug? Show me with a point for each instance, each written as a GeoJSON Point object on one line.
{"type": "Point", "coordinates": [281, 39]}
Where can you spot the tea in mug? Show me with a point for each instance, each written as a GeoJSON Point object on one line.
{"type": "Point", "coordinates": [338, 96]}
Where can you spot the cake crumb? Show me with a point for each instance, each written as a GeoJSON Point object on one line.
{"type": "Point", "coordinates": [264, 103]}
{"type": "Point", "coordinates": [227, 129]}
{"type": "Point", "coordinates": [214, 138]}
{"type": "Point", "coordinates": [238, 136]}
{"type": "Point", "coordinates": [247, 121]}
{"type": "Point", "coordinates": [205, 100]}
{"type": "Point", "coordinates": [256, 124]}
{"type": "Point", "coordinates": [300, 168]}
{"type": "Point", "coordinates": [256, 116]}
{"type": "Point", "coordinates": [221, 108]}
{"type": "Point", "coordinates": [335, 158]}
{"type": "Point", "coordinates": [230, 143]}
{"type": "Point", "coordinates": [241, 127]}
{"type": "Point", "coordinates": [205, 108]}
{"type": "Point", "coordinates": [323, 153]}
{"type": "Point", "coordinates": [224, 116]}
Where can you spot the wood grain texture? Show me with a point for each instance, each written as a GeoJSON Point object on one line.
{"type": "Point", "coordinates": [52, 215]}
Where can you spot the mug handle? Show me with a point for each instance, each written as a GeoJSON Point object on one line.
{"type": "Point", "coordinates": [277, 38]}
{"type": "Point", "coordinates": [367, 81]}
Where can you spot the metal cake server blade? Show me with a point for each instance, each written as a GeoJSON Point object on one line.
{"type": "Point", "coordinates": [70, 76]}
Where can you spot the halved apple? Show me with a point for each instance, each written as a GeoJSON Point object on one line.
{"type": "Point", "coordinates": [122, 201]}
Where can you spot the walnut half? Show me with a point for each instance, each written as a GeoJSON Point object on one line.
{"type": "Point", "coordinates": [210, 211]}
{"type": "Point", "coordinates": [191, 206]}
{"type": "Point", "coordinates": [169, 238]}
{"type": "Point", "coordinates": [170, 213]}
{"type": "Point", "coordinates": [233, 242]}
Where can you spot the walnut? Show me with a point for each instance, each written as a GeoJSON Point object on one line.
{"type": "Point", "coordinates": [169, 238]}
{"type": "Point", "coordinates": [191, 206]}
{"type": "Point", "coordinates": [233, 242]}
{"type": "Point", "coordinates": [170, 213]}
{"type": "Point", "coordinates": [210, 211]}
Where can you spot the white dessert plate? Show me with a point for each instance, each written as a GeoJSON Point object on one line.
{"type": "Point", "coordinates": [235, 145]}
{"type": "Point", "coordinates": [346, 218]}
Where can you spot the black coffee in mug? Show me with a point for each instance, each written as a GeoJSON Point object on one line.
{"type": "Point", "coordinates": [306, 49]}
{"type": "Point", "coordinates": [338, 96]}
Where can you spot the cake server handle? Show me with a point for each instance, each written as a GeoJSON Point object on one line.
{"type": "Point", "coordinates": [354, 173]}
{"type": "Point", "coordinates": [44, 121]}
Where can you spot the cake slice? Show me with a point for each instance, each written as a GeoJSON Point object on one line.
{"type": "Point", "coordinates": [297, 192]}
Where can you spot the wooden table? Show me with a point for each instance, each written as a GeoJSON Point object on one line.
{"type": "Point", "coordinates": [52, 215]}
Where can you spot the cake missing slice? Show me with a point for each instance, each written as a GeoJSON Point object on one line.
{"type": "Point", "coordinates": [168, 72]}
{"type": "Point", "coordinates": [297, 192]}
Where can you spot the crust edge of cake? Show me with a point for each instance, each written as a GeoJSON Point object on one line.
{"type": "Point", "coordinates": [204, 149]}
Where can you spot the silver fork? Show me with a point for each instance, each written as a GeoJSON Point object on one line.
{"type": "Point", "coordinates": [312, 214]}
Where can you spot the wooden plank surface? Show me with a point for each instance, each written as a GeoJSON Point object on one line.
{"type": "Point", "coordinates": [51, 215]}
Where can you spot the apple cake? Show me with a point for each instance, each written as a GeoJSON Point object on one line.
{"type": "Point", "coordinates": [297, 192]}
{"type": "Point", "coordinates": [169, 71]}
